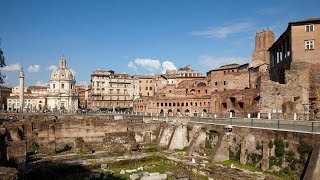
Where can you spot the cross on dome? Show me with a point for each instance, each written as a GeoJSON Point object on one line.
{"type": "Point", "coordinates": [63, 62]}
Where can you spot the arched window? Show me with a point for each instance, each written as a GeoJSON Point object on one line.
{"type": "Point", "coordinates": [54, 86]}
{"type": "Point", "coordinates": [62, 86]}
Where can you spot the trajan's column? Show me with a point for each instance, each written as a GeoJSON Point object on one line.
{"type": "Point", "coordinates": [21, 89]}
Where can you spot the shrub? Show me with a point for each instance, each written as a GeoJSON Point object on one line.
{"type": "Point", "coordinates": [255, 158]}
{"type": "Point", "coordinates": [270, 144]}
{"type": "Point", "coordinates": [208, 144]}
{"type": "Point", "coordinates": [304, 148]}
{"type": "Point", "coordinates": [234, 156]}
{"type": "Point", "coordinates": [258, 146]}
{"type": "Point", "coordinates": [272, 161]}
{"type": "Point", "coordinates": [279, 147]}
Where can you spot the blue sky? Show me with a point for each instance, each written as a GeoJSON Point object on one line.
{"type": "Point", "coordinates": [136, 37]}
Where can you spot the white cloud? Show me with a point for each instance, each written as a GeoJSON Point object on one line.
{"type": "Point", "coordinates": [149, 64]}
{"type": "Point", "coordinates": [34, 68]}
{"type": "Point", "coordinates": [52, 68]}
{"type": "Point", "coordinates": [11, 67]}
{"type": "Point", "coordinates": [133, 66]}
{"type": "Point", "coordinates": [41, 83]}
{"type": "Point", "coordinates": [215, 62]}
{"type": "Point", "coordinates": [224, 30]}
{"type": "Point", "coordinates": [168, 65]}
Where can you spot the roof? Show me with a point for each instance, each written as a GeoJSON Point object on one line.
{"type": "Point", "coordinates": [256, 63]}
{"type": "Point", "coordinates": [37, 87]}
{"type": "Point", "coordinates": [228, 66]}
{"type": "Point", "coordinates": [308, 20]}
{"type": "Point", "coordinates": [146, 76]}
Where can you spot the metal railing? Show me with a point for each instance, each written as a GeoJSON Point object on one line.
{"type": "Point", "coordinates": [303, 126]}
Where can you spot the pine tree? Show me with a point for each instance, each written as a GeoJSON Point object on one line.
{"type": "Point", "coordinates": [2, 64]}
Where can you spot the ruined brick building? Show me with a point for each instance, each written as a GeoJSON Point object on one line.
{"type": "Point", "coordinates": [282, 78]}
{"type": "Point", "coordinates": [228, 89]}
{"type": "Point", "coordinates": [294, 71]}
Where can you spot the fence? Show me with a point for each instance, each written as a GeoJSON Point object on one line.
{"type": "Point", "coordinates": [305, 126]}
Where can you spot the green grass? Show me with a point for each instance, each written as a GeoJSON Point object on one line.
{"type": "Point", "coordinates": [284, 176]}
{"type": "Point", "coordinates": [238, 165]}
{"type": "Point", "coordinates": [255, 169]}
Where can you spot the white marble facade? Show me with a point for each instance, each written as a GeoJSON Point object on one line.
{"type": "Point", "coordinates": [62, 95]}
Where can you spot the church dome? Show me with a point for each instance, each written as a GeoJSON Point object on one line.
{"type": "Point", "coordinates": [62, 73]}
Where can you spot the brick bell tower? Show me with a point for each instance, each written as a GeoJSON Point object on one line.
{"type": "Point", "coordinates": [264, 40]}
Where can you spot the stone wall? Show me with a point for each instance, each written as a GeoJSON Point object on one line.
{"type": "Point", "coordinates": [298, 95]}
{"type": "Point", "coordinates": [278, 151]}
{"type": "Point", "coordinates": [77, 133]}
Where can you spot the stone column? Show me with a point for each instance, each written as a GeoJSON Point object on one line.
{"type": "Point", "coordinates": [21, 90]}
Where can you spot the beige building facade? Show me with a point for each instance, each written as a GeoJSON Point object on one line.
{"type": "Point", "coordinates": [113, 91]}
{"type": "Point", "coordinates": [34, 99]}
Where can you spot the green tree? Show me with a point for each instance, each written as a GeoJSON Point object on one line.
{"type": "Point", "coordinates": [2, 64]}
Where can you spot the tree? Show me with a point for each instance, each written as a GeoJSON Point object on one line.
{"type": "Point", "coordinates": [2, 64]}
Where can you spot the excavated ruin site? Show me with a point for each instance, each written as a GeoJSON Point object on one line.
{"type": "Point", "coordinates": [135, 147]}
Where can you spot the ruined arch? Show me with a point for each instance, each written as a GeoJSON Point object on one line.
{"type": "Point", "coordinates": [201, 84]}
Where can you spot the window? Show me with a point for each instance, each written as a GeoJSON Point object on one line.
{"type": "Point", "coordinates": [215, 83]}
{"type": "Point", "coordinates": [150, 88]}
{"type": "Point", "coordinates": [62, 86]}
{"type": "Point", "coordinates": [224, 82]}
{"type": "Point", "coordinates": [146, 88]}
{"type": "Point", "coordinates": [150, 81]}
{"type": "Point", "coordinates": [309, 27]}
{"type": "Point", "coordinates": [309, 44]}
{"type": "Point", "coordinates": [54, 86]}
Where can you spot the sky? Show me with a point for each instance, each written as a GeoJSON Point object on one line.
{"type": "Point", "coordinates": [135, 37]}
